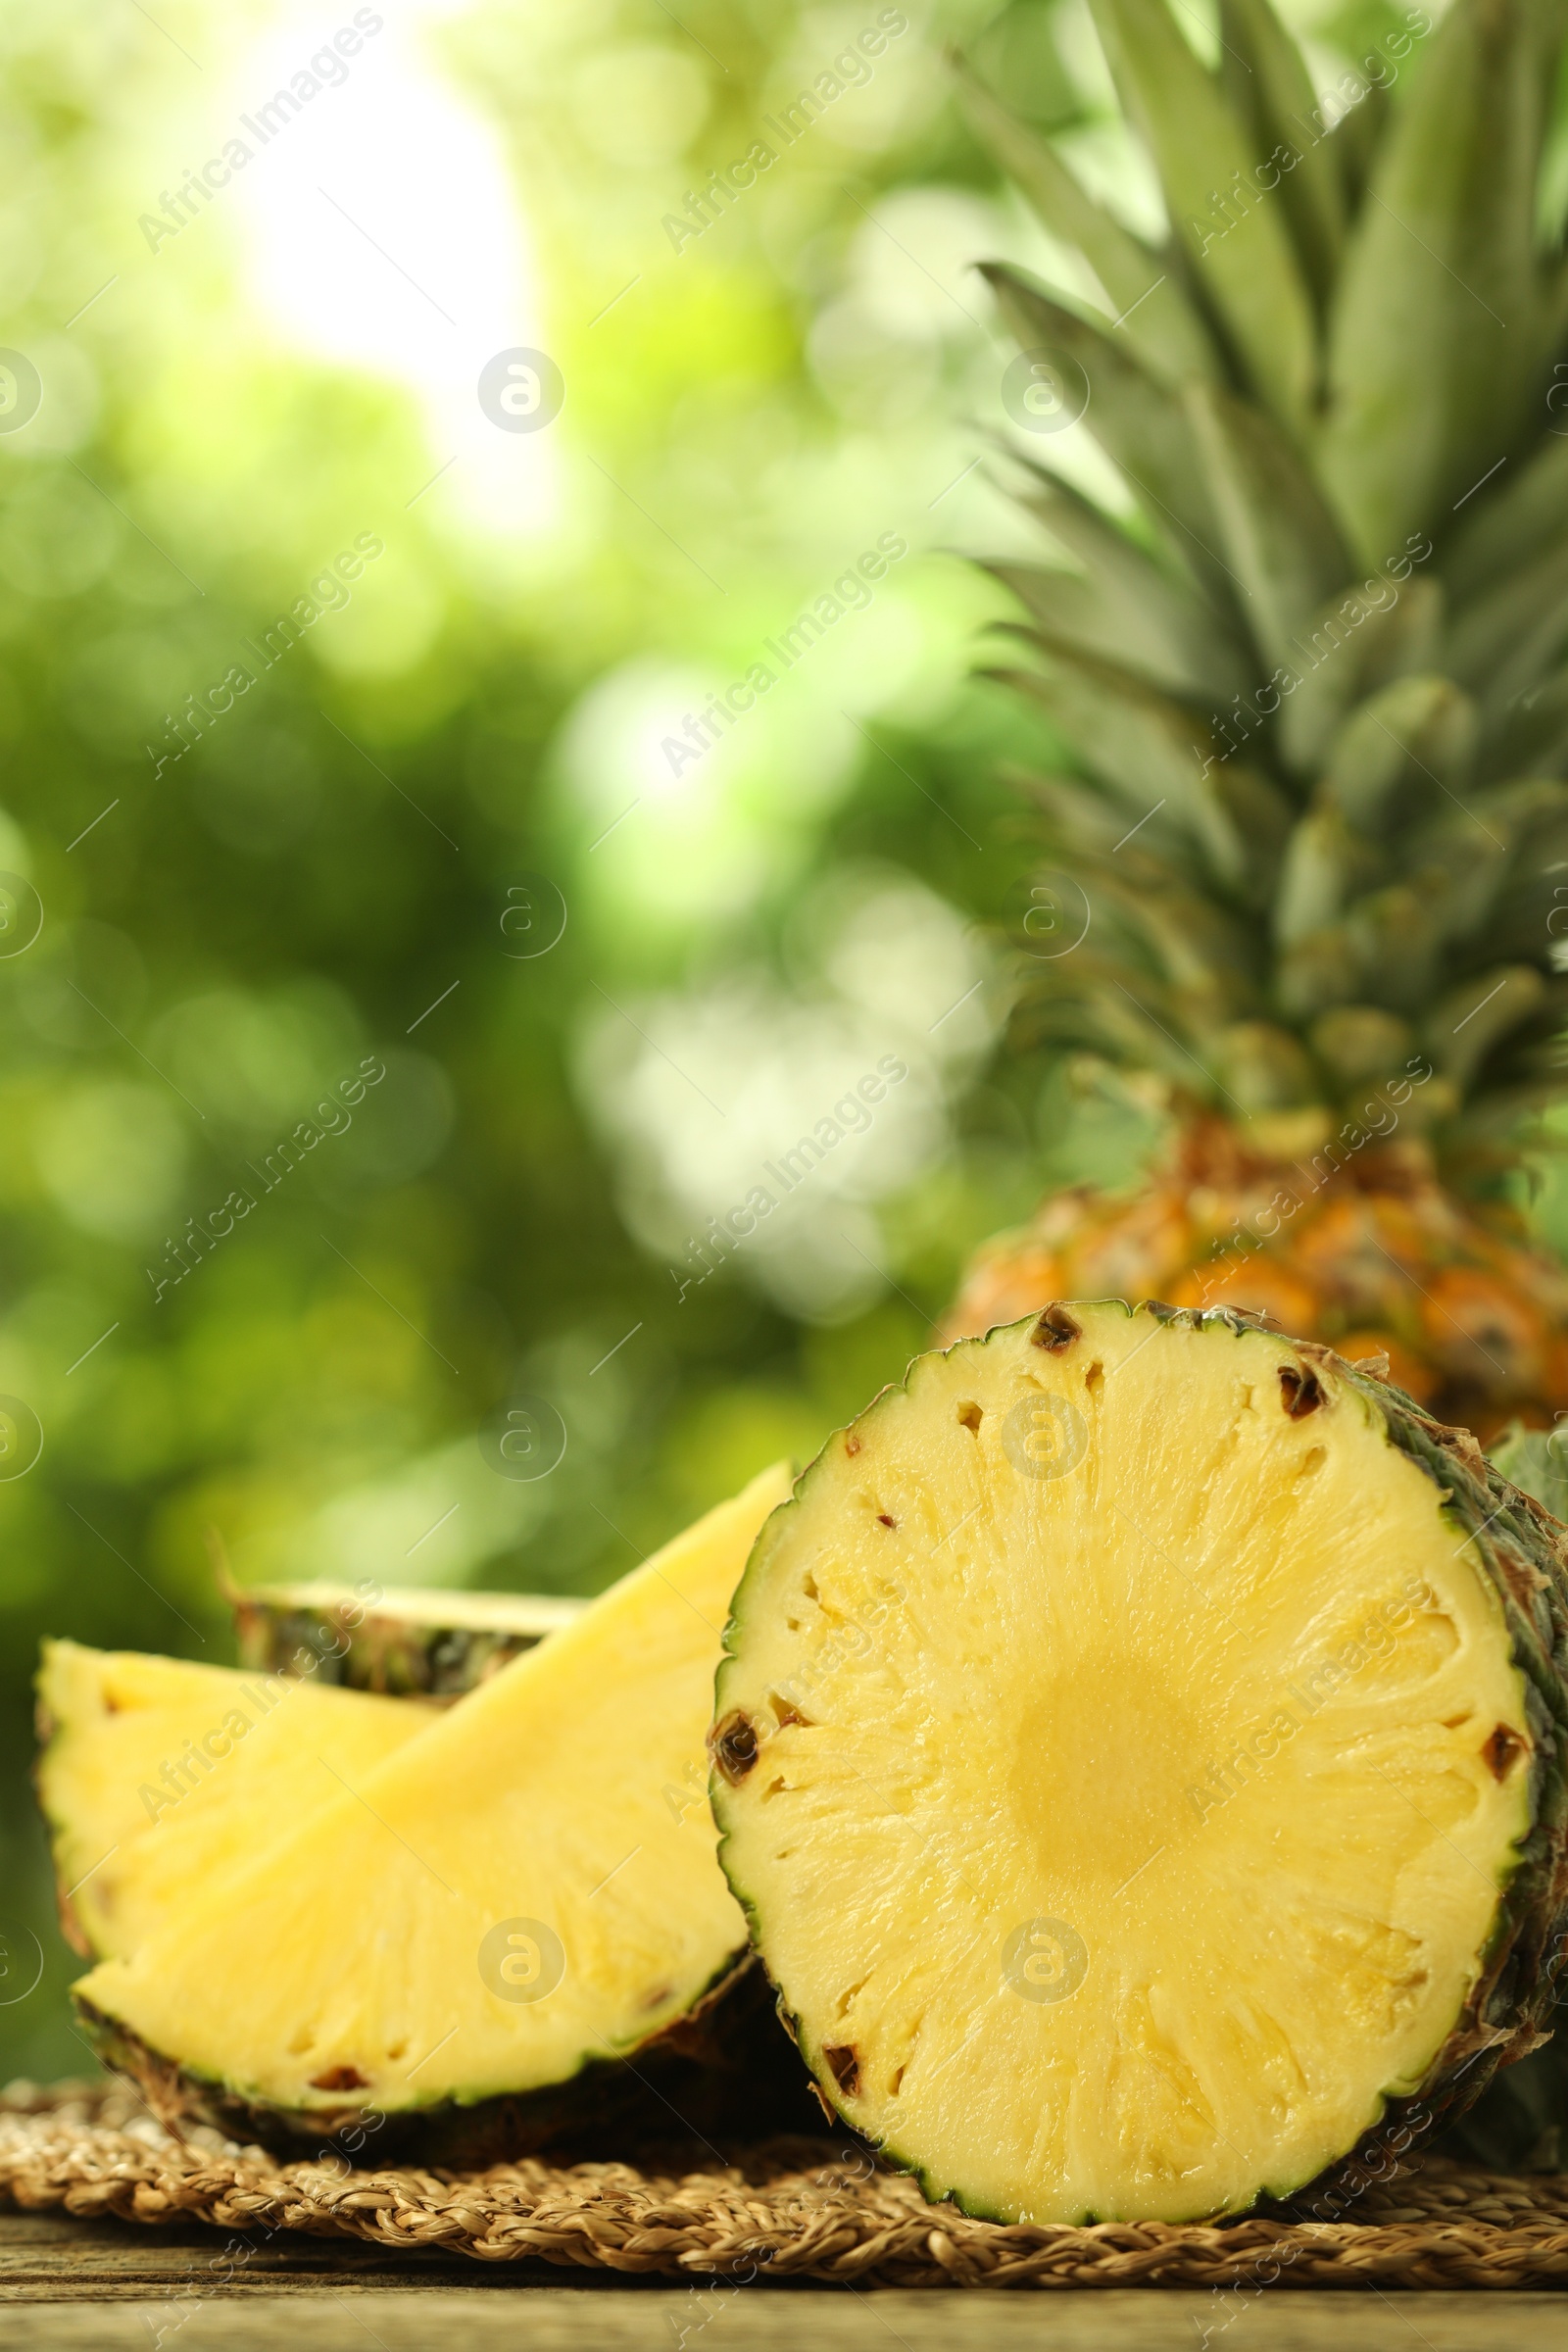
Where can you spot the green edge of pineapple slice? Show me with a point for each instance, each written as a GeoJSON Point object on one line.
{"type": "Point", "coordinates": [404, 1642]}
{"type": "Point", "coordinates": [720, 2066]}
{"type": "Point", "coordinates": [1138, 1754]}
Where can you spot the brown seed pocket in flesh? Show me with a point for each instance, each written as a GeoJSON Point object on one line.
{"type": "Point", "coordinates": [844, 2063]}
{"type": "Point", "coordinates": [733, 1746]}
{"type": "Point", "coordinates": [1501, 1750]}
{"type": "Point", "coordinates": [1056, 1330]}
{"type": "Point", "coordinates": [1300, 1391]}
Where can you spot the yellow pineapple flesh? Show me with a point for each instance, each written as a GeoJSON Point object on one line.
{"type": "Point", "coordinates": [158, 1777]}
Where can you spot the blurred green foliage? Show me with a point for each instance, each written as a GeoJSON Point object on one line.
{"type": "Point", "coordinates": [332, 872]}
{"type": "Point", "coordinates": [241, 926]}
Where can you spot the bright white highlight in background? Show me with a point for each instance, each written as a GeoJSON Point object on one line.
{"type": "Point", "coordinates": [385, 232]}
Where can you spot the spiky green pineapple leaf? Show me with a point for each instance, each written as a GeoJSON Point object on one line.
{"type": "Point", "coordinates": [1354, 145]}
{"type": "Point", "coordinates": [1384, 950]}
{"type": "Point", "coordinates": [1133, 418]}
{"type": "Point", "coordinates": [1155, 605]}
{"type": "Point", "coordinates": [1278, 536]}
{"type": "Point", "coordinates": [1469, 1021]}
{"type": "Point", "coordinates": [1524, 915]}
{"type": "Point", "coordinates": [1532, 1459]}
{"type": "Point", "coordinates": [1436, 334]}
{"type": "Point", "coordinates": [1483, 853]}
{"type": "Point", "coordinates": [1080, 613]}
{"type": "Point", "coordinates": [1270, 92]}
{"type": "Point", "coordinates": [1418, 732]}
{"type": "Point", "coordinates": [1248, 270]}
{"type": "Point", "coordinates": [1532, 738]}
{"type": "Point", "coordinates": [1350, 649]}
{"type": "Point", "coordinates": [1071, 611]}
{"type": "Point", "coordinates": [1397, 935]}
{"type": "Point", "coordinates": [1088, 827]}
{"type": "Point", "coordinates": [1510, 640]}
{"type": "Point", "coordinates": [1159, 323]}
{"type": "Point", "coordinates": [1159, 759]}
{"type": "Point", "coordinates": [1327, 866]}
{"type": "Point", "coordinates": [1202, 953]}
{"type": "Point", "coordinates": [1383, 825]}
{"type": "Point", "coordinates": [1524, 513]}
{"type": "Point", "coordinates": [1114, 1001]}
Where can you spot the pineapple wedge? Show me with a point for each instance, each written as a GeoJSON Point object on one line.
{"type": "Point", "coordinates": [155, 1777]}
{"type": "Point", "coordinates": [1138, 1753]}
{"type": "Point", "coordinates": [525, 1892]}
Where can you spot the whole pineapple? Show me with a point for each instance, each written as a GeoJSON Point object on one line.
{"type": "Point", "coordinates": [1317, 685]}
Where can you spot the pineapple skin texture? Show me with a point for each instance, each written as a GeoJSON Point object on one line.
{"type": "Point", "coordinates": [1380, 1259]}
{"type": "Point", "coordinates": [380, 1647]}
{"type": "Point", "coordinates": [726, 2067]}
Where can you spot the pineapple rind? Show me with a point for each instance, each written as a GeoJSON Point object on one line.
{"type": "Point", "coordinates": [404, 1644]}
{"type": "Point", "coordinates": [1522, 1554]}
{"type": "Point", "coordinates": [709, 2069]}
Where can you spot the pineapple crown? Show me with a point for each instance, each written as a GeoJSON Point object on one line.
{"type": "Point", "coordinates": [1317, 678]}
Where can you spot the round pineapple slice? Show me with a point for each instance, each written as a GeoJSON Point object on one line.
{"type": "Point", "coordinates": [1135, 1751]}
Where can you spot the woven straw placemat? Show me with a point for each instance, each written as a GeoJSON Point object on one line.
{"type": "Point", "coordinates": [787, 2209]}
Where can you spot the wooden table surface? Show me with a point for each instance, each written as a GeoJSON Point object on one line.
{"type": "Point", "coordinates": [106, 2287]}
